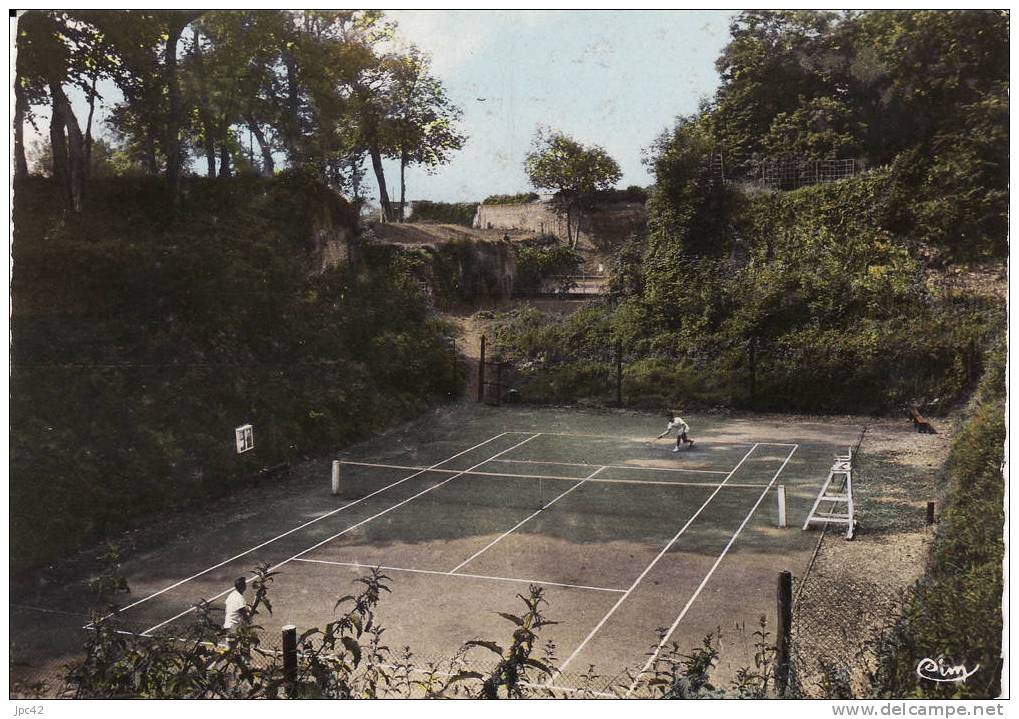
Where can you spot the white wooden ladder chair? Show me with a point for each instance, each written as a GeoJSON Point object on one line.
{"type": "Point", "coordinates": [842, 467]}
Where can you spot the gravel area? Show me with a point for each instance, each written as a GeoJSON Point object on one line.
{"type": "Point", "coordinates": [854, 588]}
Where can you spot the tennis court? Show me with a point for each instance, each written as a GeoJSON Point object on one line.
{"type": "Point", "coordinates": [624, 535]}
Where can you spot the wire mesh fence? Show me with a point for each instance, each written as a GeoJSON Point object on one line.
{"type": "Point", "coordinates": [789, 173]}
{"type": "Point", "coordinates": [840, 623]}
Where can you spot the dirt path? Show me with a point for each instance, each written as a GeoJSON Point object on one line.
{"type": "Point", "coordinates": [473, 323]}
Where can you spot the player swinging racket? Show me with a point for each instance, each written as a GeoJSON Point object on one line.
{"type": "Point", "coordinates": [677, 423]}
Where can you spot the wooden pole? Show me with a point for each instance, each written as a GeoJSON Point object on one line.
{"type": "Point", "coordinates": [336, 478]}
{"type": "Point", "coordinates": [619, 373]}
{"type": "Point", "coordinates": [930, 513]}
{"type": "Point", "coordinates": [290, 658]}
{"type": "Point", "coordinates": [781, 506]}
{"type": "Point", "coordinates": [784, 631]}
{"type": "Point", "coordinates": [454, 390]}
{"type": "Point", "coordinates": [481, 372]}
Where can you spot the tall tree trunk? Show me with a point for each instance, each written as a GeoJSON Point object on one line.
{"type": "Point", "coordinates": [224, 160]}
{"type": "Point", "coordinates": [268, 165]}
{"type": "Point", "coordinates": [58, 148]}
{"type": "Point", "coordinates": [403, 185]}
{"type": "Point", "coordinates": [20, 109]}
{"type": "Point", "coordinates": [210, 155]}
{"type": "Point", "coordinates": [88, 126]}
{"type": "Point", "coordinates": [292, 123]}
{"type": "Point", "coordinates": [203, 103]}
{"type": "Point", "coordinates": [355, 181]}
{"type": "Point", "coordinates": [173, 121]}
{"type": "Point", "coordinates": [387, 207]}
{"type": "Point", "coordinates": [74, 148]}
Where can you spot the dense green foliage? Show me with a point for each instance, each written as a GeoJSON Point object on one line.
{"type": "Point", "coordinates": [145, 331]}
{"type": "Point", "coordinates": [803, 290]}
{"type": "Point", "coordinates": [955, 612]}
{"type": "Point", "coordinates": [449, 213]}
{"type": "Point", "coordinates": [456, 273]}
{"type": "Point", "coordinates": [519, 199]}
{"type": "Point", "coordinates": [633, 193]}
{"type": "Point", "coordinates": [544, 260]}
{"type": "Point", "coordinates": [925, 90]}
{"type": "Point", "coordinates": [816, 299]}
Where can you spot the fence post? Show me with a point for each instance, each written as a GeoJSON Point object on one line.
{"type": "Point", "coordinates": [336, 478]}
{"type": "Point", "coordinates": [930, 513]}
{"type": "Point", "coordinates": [452, 350]}
{"type": "Point", "coordinates": [781, 506]}
{"type": "Point", "coordinates": [619, 373]}
{"type": "Point", "coordinates": [784, 631]}
{"type": "Point", "coordinates": [290, 658]}
{"type": "Point", "coordinates": [481, 372]}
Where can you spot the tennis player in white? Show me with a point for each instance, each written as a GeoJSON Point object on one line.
{"type": "Point", "coordinates": [677, 423]}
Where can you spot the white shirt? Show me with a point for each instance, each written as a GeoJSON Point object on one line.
{"type": "Point", "coordinates": [678, 424]}
{"type": "Point", "coordinates": [234, 605]}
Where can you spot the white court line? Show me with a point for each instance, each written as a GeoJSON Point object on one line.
{"type": "Point", "coordinates": [355, 526]}
{"type": "Point", "coordinates": [649, 567]}
{"type": "Point", "coordinates": [689, 603]}
{"type": "Point", "coordinates": [521, 523]}
{"type": "Point", "coordinates": [613, 466]}
{"type": "Point", "coordinates": [43, 610]}
{"type": "Point", "coordinates": [306, 524]}
{"type": "Point", "coordinates": [556, 476]}
{"type": "Point", "coordinates": [460, 574]}
{"type": "Point", "coordinates": [642, 438]}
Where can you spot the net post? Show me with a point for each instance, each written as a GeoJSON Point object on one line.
{"type": "Point", "coordinates": [289, 645]}
{"type": "Point", "coordinates": [783, 639]}
{"type": "Point", "coordinates": [336, 478]}
{"type": "Point", "coordinates": [481, 372]}
{"type": "Point", "coordinates": [781, 506]}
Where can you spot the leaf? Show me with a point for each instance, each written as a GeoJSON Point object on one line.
{"type": "Point", "coordinates": [539, 665]}
{"type": "Point", "coordinates": [462, 676]}
{"type": "Point", "coordinates": [309, 633]}
{"type": "Point", "coordinates": [353, 647]}
{"type": "Point", "coordinates": [513, 618]}
{"type": "Point", "coordinates": [491, 646]}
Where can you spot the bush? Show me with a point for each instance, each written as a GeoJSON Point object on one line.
{"type": "Point", "coordinates": [177, 324]}
{"type": "Point", "coordinates": [545, 260]}
{"type": "Point", "coordinates": [520, 199]}
{"type": "Point", "coordinates": [450, 213]}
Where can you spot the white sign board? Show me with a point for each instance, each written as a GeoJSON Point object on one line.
{"type": "Point", "coordinates": [245, 438]}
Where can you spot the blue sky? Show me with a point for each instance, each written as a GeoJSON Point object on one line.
{"type": "Point", "coordinates": [610, 78]}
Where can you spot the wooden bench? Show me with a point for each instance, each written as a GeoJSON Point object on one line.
{"type": "Point", "coordinates": [920, 423]}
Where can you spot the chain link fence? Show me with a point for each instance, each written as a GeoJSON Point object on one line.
{"type": "Point", "coordinates": [839, 625]}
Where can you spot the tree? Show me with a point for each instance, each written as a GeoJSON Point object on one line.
{"type": "Point", "coordinates": [48, 39]}
{"type": "Point", "coordinates": [776, 61]}
{"type": "Point", "coordinates": [423, 117]}
{"type": "Point", "coordinates": [573, 171]}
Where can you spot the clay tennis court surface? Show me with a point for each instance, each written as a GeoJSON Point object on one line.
{"type": "Point", "coordinates": [467, 507]}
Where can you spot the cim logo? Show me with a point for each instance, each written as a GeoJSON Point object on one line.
{"type": "Point", "coordinates": [941, 671]}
